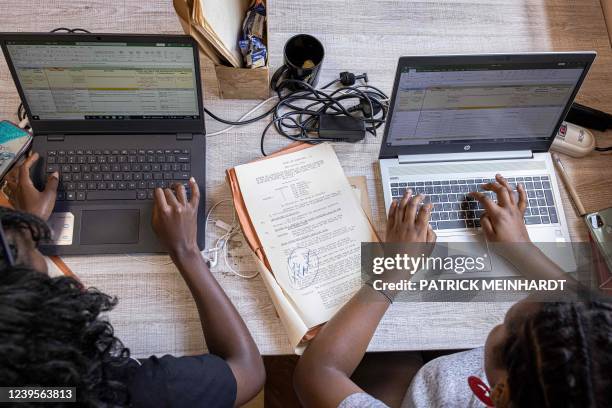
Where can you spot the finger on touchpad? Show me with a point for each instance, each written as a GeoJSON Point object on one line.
{"type": "Point", "coordinates": [109, 227]}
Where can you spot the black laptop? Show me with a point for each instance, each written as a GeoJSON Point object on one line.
{"type": "Point", "coordinates": [117, 116]}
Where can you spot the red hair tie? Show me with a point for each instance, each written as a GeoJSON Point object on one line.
{"type": "Point", "coordinates": [480, 390]}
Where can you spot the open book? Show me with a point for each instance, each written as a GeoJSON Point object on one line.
{"type": "Point", "coordinates": [305, 225]}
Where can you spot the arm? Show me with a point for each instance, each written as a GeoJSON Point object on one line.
{"type": "Point", "coordinates": [226, 335]}
{"type": "Point", "coordinates": [322, 377]}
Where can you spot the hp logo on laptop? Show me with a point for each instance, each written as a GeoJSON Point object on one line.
{"type": "Point", "coordinates": [467, 147]}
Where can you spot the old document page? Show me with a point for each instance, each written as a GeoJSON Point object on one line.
{"type": "Point", "coordinates": [310, 225]}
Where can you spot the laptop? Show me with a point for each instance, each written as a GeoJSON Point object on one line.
{"type": "Point", "coordinates": [455, 121]}
{"type": "Point", "coordinates": [117, 116]}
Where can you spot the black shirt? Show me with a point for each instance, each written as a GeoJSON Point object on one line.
{"type": "Point", "coordinates": [195, 381]}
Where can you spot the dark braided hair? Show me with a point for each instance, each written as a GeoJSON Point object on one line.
{"type": "Point", "coordinates": [562, 357]}
{"type": "Point", "coordinates": [19, 221]}
{"type": "Point", "coordinates": [51, 334]}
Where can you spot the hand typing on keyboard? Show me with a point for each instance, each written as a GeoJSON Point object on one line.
{"type": "Point", "coordinates": [408, 220]}
{"type": "Point", "coordinates": [175, 219]}
{"type": "Point", "coordinates": [408, 223]}
{"type": "Point", "coordinates": [503, 221]}
{"type": "Point", "coordinates": [24, 196]}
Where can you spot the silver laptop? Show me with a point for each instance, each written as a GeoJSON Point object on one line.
{"type": "Point", "coordinates": [457, 120]}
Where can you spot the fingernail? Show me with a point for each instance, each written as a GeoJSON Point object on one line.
{"type": "Point", "coordinates": [55, 174]}
{"type": "Point", "coordinates": [192, 179]}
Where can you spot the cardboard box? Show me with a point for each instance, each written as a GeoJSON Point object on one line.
{"type": "Point", "coordinates": [234, 83]}
{"type": "Point", "coordinates": [243, 83]}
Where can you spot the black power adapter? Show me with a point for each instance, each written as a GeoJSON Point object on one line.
{"type": "Point", "coordinates": [341, 128]}
{"type": "Point", "coordinates": [588, 117]}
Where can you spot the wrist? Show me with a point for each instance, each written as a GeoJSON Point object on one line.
{"type": "Point", "coordinates": [181, 253]}
{"type": "Point", "coordinates": [519, 251]}
{"type": "Point", "coordinates": [34, 211]}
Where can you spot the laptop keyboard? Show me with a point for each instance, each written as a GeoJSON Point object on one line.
{"type": "Point", "coordinates": [117, 174]}
{"type": "Point", "coordinates": [453, 208]}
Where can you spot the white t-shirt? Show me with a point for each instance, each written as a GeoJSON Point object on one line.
{"type": "Point", "coordinates": [442, 382]}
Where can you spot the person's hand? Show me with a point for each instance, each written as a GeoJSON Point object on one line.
{"type": "Point", "coordinates": [407, 223]}
{"type": "Point", "coordinates": [175, 218]}
{"type": "Point", "coordinates": [408, 232]}
{"type": "Point", "coordinates": [24, 196]}
{"type": "Point", "coordinates": [503, 222]}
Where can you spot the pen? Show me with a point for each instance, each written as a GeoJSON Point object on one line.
{"type": "Point", "coordinates": [568, 185]}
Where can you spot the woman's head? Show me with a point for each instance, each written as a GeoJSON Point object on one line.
{"type": "Point", "coordinates": [552, 354]}
{"type": "Point", "coordinates": [50, 330]}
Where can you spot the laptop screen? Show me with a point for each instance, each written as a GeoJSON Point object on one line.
{"type": "Point", "coordinates": [484, 103]}
{"type": "Point", "coordinates": [111, 81]}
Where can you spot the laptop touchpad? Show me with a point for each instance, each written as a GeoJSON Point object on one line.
{"type": "Point", "coordinates": [109, 227]}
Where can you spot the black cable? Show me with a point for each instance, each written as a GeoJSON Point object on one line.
{"type": "Point", "coordinates": [20, 111]}
{"type": "Point", "coordinates": [297, 114]}
{"type": "Point", "coordinates": [603, 149]}
{"type": "Point", "coordinates": [70, 30]}
{"type": "Point", "coordinates": [292, 137]}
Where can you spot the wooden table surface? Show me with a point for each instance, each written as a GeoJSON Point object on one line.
{"type": "Point", "coordinates": [156, 314]}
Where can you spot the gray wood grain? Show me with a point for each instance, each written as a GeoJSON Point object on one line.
{"type": "Point", "coordinates": [156, 314]}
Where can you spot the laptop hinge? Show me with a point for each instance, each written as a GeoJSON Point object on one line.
{"type": "Point", "coordinates": [184, 136]}
{"type": "Point", "coordinates": [468, 156]}
{"type": "Point", "coordinates": [55, 138]}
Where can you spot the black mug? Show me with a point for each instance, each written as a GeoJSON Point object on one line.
{"type": "Point", "coordinates": [303, 58]}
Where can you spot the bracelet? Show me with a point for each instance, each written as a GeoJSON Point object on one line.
{"type": "Point", "coordinates": [382, 292]}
